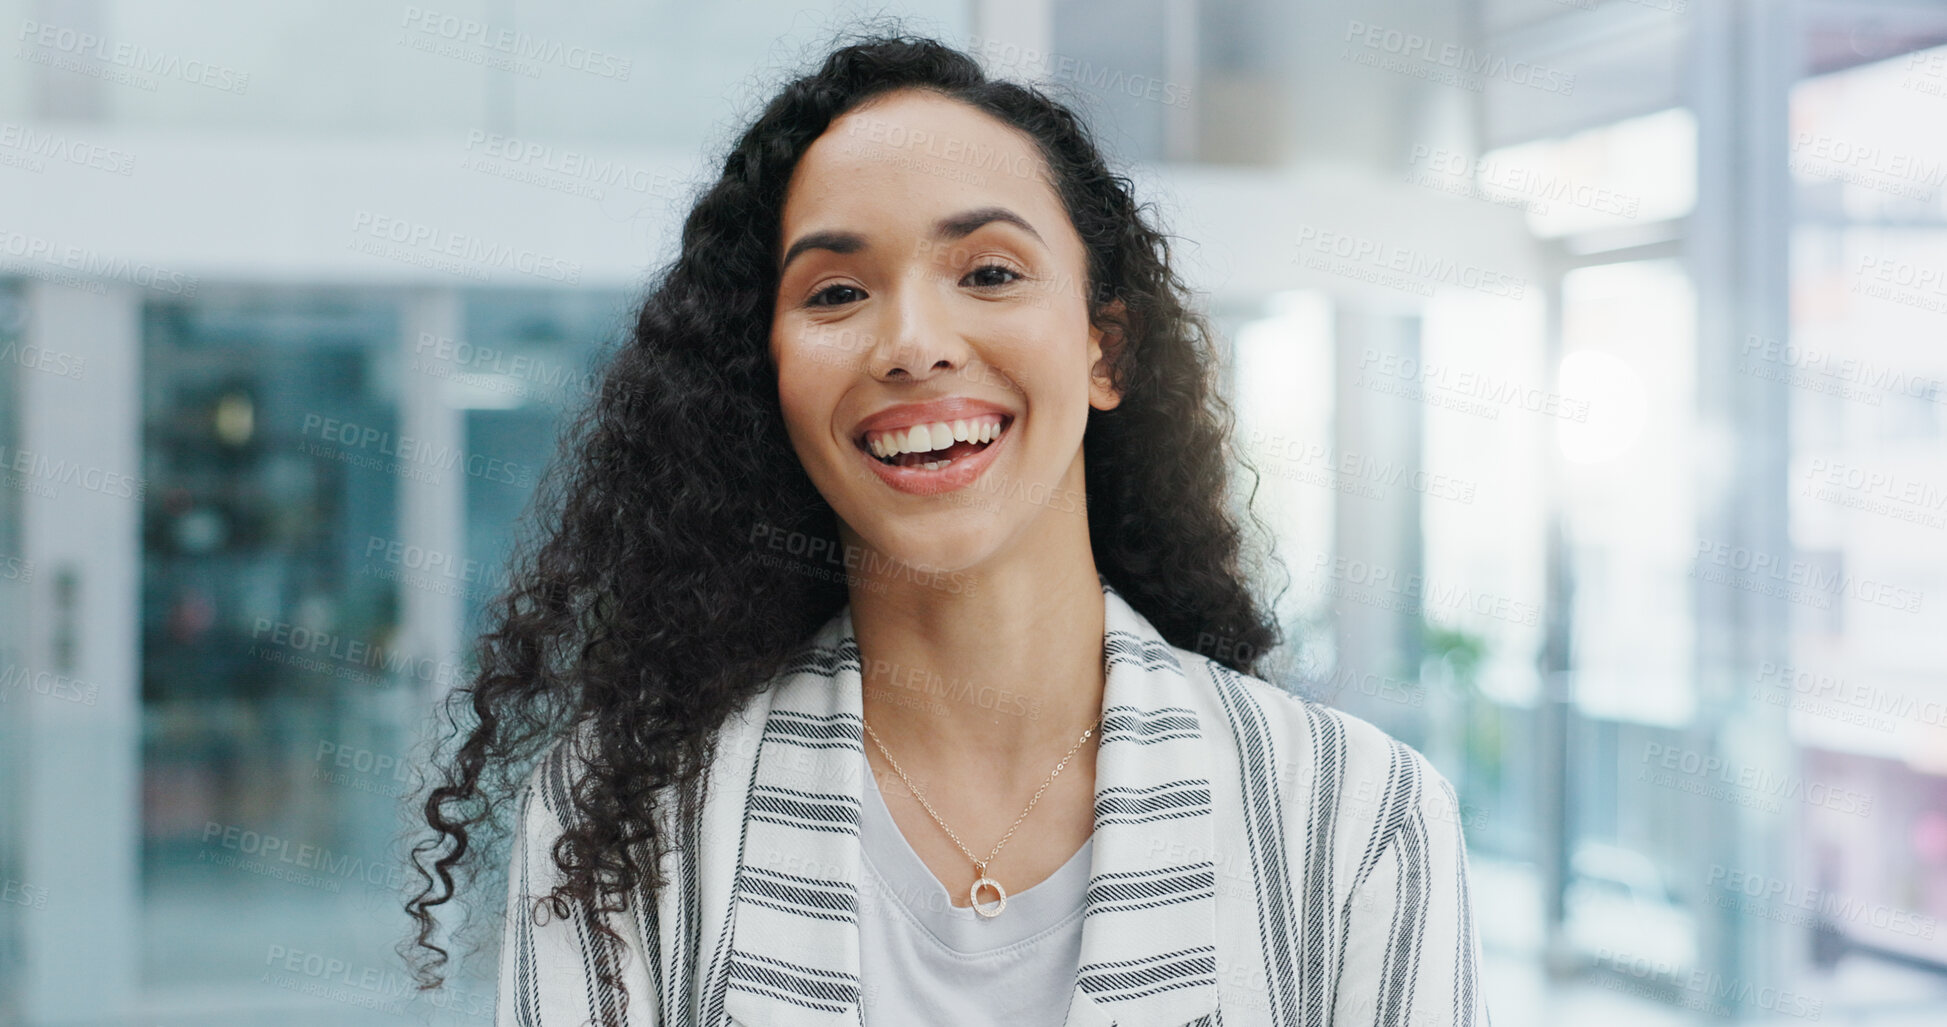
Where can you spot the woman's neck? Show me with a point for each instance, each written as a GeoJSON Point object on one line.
{"type": "Point", "coordinates": [991, 683]}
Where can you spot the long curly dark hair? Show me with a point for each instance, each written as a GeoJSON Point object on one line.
{"type": "Point", "coordinates": [641, 615]}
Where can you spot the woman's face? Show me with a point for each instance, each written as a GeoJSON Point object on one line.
{"type": "Point", "coordinates": [936, 363]}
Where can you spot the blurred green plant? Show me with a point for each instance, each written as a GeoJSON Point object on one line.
{"type": "Point", "coordinates": [1461, 651]}
{"type": "Point", "coordinates": [1452, 658]}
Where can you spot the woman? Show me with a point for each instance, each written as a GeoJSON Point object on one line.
{"type": "Point", "coordinates": [914, 465]}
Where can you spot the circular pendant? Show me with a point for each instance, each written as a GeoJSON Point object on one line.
{"type": "Point", "coordinates": [993, 910]}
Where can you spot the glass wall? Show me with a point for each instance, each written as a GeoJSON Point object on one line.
{"type": "Point", "coordinates": [281, 698]}
{"type": "Point", "coordinates": [528, 361]}
{"type": "Point", "coordinates": [272, 447]}
{"type": "Point", "coordinates": [1510, 374]}
{"type": "Point", "coordinates": [16, 574]}
{"type": "Point", "coordinates": [1865, 687]}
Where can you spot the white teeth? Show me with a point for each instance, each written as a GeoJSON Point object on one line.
{"type": "Point", "coordinates": [934, 465]}
{"type": "Point", "coordinates": [937, 435]}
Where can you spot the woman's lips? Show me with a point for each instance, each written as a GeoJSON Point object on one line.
{"type": "Point", "coordinates": [958, 473]}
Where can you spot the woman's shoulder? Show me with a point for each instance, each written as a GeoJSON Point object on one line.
{"type": "Point", "coordinates": [1246, 700]}
{"type": "Point", "coordinates": [547, 806]}
{"type": "Point", "coordinates": [1325, 761]}
{"type": "Point", "coordinates": [576, 752]}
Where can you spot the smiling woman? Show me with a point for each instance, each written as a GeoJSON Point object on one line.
{"type": "Point", "coordinates": [911, 284]}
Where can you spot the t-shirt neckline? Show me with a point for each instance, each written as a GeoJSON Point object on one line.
{"type": "Point", "coordinates": [1046, 905]}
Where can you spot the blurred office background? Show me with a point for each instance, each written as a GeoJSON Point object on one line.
{"type": "Point", "coordinates": [1590, 353]}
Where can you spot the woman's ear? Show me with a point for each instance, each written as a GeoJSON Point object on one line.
{"type": "Point", "coordinates": [1105, 341]}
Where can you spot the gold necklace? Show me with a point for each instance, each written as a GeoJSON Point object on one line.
{"type": "Point", "coordinates": [980, 865]}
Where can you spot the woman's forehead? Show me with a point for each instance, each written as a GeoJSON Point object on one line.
{"type": "Point", "coordinates": [918, 149]}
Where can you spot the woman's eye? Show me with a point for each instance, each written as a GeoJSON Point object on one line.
{"type": "Point", "coordinates": [823, 297]}
{"type": "Point", "coordinates": [987, 275]}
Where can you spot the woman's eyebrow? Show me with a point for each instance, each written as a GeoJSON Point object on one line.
{"type": "Point", "coordinates": [959, 226]}
{"type": "Point", "coordinates": [835, 241]}
{"type": "Point", "coordinates": [955, 226]}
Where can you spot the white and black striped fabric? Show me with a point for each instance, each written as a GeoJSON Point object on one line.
{"type": "Point", "coordinates": [1258, 860]}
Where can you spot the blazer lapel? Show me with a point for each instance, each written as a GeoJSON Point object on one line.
{"type": "Point", "coordinates": [1149, 928]}
{"type": "Point", "coordinates": [794, 953]}
{"type": "Point", "coordinates": [1149, 931]}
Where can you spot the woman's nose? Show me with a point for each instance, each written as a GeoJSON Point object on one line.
{"type": "Point", "coordinates": [917, 341]}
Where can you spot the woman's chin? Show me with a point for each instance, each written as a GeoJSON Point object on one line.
{"type": "Point", "coordinates": [949, 552]}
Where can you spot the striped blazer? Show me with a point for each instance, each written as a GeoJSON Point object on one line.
{"type": "Point", "coordinates": [1258, 860]}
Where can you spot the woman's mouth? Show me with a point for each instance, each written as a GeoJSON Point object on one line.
{"type": "Point", "coordinates": [936, 445]}
{"type": "Point", "coordinates": [935, 457]}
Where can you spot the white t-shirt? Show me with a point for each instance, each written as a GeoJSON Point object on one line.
{"type": "Point", "coordinates": [923, 960]}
